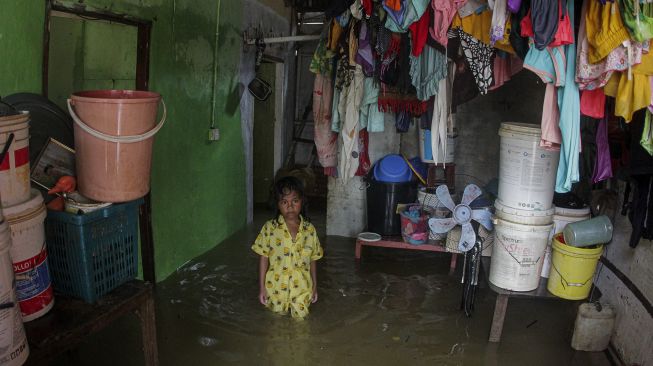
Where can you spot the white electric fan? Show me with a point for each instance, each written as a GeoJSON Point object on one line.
{"type": "Point", "coordinates": [462, 214]}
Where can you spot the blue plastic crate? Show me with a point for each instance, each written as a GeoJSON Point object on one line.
{"type": "Point", "coordinates": [91, 254]}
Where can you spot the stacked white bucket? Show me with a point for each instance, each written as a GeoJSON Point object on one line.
{"type": "Point", "coordinates": [24, 274]}
{"type": "Point", "coordinates": [524, 208]}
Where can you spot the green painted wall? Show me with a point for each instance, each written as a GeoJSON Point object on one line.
{"type": "Point", "coordinates": [21, 46]}
{"type": "Point", "coordinates": [66, 59]}
{"type": "Point", "coordinates": [86, 55]}
{"type": "Point", "coordinates": [198, 190]}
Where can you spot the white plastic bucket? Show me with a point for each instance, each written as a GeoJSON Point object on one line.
{"type": "Point", "coordinates": [527, 172]}
{"type": "Point", "coordinates": [524, 217]}
{"type": "Point", "coordinates": [517, 255]}
{"type": "Point", "coordinates": [561, 218]}
{"type": "Point", "coordinates": [426, 152]}
{"type": "Point", "coordinates": [30, 258]}
{"type": "Point", "coordinates": [13, 343]}
{"type": "Point", "coordinates": [14, 169]}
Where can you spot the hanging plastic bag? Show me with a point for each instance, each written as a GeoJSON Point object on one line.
{"type": "Point", "coordinates": [647, 135]}
{"type": "Point", "coordinates": [603, 165]}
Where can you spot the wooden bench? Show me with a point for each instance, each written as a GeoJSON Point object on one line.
{"type": "Point", "coordinates": [71, 321]}
{"type": "Point", "coordinates": [501, 304]}
{"type": "Point", "coordinates": [398, 243]}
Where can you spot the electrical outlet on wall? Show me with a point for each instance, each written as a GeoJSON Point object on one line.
{"type": "Point", "coordinates": [214, 134]}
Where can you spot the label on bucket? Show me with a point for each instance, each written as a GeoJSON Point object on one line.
{"type": "Point", "coordinates": [517, 261]}
{"type": "Point", "coordinates": [33, 285]}
{"type": "Point", "coordinates": [13, 343]}
{"type": "Point", "coordinates": [526, 175]}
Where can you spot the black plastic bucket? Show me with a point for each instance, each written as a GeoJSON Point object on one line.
{"type": "Point", "coordinates": [382, 200]}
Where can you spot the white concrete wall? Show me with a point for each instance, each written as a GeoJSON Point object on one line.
{"type": "Point", "coordinates": [346, 203]}
{"type": "Point", "coordinates": [633, 335]}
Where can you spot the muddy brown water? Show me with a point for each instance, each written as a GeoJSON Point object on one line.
{"type": "Point", "coordinates": [393, 307]}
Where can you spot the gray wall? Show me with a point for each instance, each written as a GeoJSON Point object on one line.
{"type": "Point", "coordinates": [257, 15]}
{"type": "Point", "coordinates": [478, 122]}
{"type": "Point", "coordinates": [632, 337]}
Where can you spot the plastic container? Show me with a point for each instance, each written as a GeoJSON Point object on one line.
{"type": "Point", "coordinates": [414, 225]}
{"type": "Point", "coordinates": [561, 218]}
{"type": "Point", "coordinates": [94, 253]}
{"type": "Point", "coordinates": [392, 169]}
{"type": "Point", "coordinates": [14, 169]}
{"type": "Point", "coordinates": [76, 203]}
{"type": "Point", "coordinates": [13, 343]}
{"type": "Point", "coordinates": [30, 257]}
{"type": "Point", "coordinates": [426, 151]}
{"type": "Point", "coordinates": [593, 327]}
{"type": "Point", "coordinates": [114, 132]}
{"type": "Point", "coordinates": [589, 232]}
{"type": "Point", "coordinates": [572, 269]}
{"type": "Point", "coordinates": [382, 200]}
{"type": "Point", "coordinates": [527, 172]}
{"type": "Point", "coordinates": [524, 217]}
{"type": "Point", "coordinates": [517, 255]}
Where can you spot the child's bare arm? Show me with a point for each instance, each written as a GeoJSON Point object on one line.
{"type": "Point", "coordinates": [263, 264]}
{"type": "Point", "coordinates": [314, 279]}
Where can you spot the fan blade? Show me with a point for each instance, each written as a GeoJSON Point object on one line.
{"type": "Point", "coordinates": [483, 217]}
{"type": "Point", "coordinates": [467, 238]}
{"type": "Point", "coordinates": [441, 226]}
{"type": "Point", "coordinates": [442, 192]}
{"type": "Point", "coordinates": [471, 193]}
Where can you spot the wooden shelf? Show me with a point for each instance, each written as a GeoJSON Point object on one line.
{"type": "Point", "coordinates": [398, 243]}
{"type": "Point", "coordinates": [71, 321]}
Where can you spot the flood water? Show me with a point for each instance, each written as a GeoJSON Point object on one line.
{"type": "Point", "coordinates": [394, 307]}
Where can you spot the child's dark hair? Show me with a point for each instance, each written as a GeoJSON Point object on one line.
{"type": "Point", "coordinates": [284, 186]}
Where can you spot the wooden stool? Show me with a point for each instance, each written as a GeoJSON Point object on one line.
{"type": "Point", "coordinates": [439, 174]}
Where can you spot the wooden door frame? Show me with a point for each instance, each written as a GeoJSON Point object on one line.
{"type": "Point", "coordinates": [144, 30]}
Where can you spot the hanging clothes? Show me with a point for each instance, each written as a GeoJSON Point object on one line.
{"type": "Point", "coordinates": [443, 13]}
{"type": "Point", "coordinates": [514, 6]}
{"type": "Point", "coordinates": [370, 116]}
{"type": "Point", "coordinates": [364, 55]}
{"type": "Point", "coordinates": [590, 76]}
{"type": "Point", "coordinates": [479, 59]}
{"type": "Point", "coordinates": [545, 17]}
{"type": "Point", "coordinates": [442, 122]}
{"type": "Point", "coordinates": [325, 139]}
{"type": "Point", "coordinates": [641, 172]}
{"type": "Point", "coordinates": [551, 138]}
{"type": "Point", "coordinates": [634, 93]}
{"type": "Point", "coordinates": [412, 10]}
{"type": "Point", "coordinates": [569, 105]}
{"type": "Point", "coordinates": [363, 156]}
{"type": "Point", "coordinates": [349, 111]}
{"type": "Point", "coordinates": [563, 34]}
{"type": "Point", "coordinates": [478, 27]}
{"type": "Point", "coordinates": [426, 71]}
{"type": "Point", "coordinates": [519, 43]}
{"type": "Point", "coordinates": [549, 64]}
{"type": "Point", "coordinates": [592, 103]}
{"type": "Point", "coordinates": [605, 30]}
{"type": "Point", "coordinates": [603, 165]}
{"type": "Point", "coordinates": [504, 67]}
{"type": "Point", "coordinates": [637, 18]}
{"type": "Point", "coordinates": [419, 33]}
{"type": "Point", "coordinates": [499, 19]}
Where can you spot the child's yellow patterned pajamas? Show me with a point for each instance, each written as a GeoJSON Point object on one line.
{"type": "Point", "coordinates": [288, 280]}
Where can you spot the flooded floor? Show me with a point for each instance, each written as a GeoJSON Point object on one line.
{"type": "Point", "coordinates": [393, 308]}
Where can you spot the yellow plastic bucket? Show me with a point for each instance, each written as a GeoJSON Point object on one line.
{"type": "Point", "coordinates": [572, 269]}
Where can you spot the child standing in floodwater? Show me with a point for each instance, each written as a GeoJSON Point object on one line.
{"type": "Point", "coordinates": [288, 246]}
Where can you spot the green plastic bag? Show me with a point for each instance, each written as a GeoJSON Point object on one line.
{"type": "Point", "coordinates": [647, 135]}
